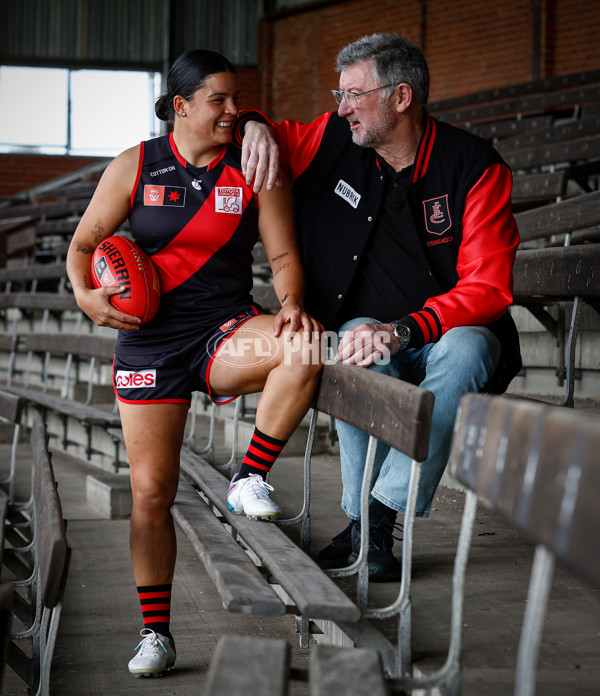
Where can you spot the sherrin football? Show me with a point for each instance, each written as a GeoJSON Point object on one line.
{"type": "Point", "coordinates": [119, 261]}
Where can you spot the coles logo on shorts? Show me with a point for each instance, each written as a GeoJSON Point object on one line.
{"type": "Point", "coordinates": [127, 379]}
{"type": "Point", "coordinates": [228, 199]}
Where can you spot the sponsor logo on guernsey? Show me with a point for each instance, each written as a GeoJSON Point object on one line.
{"type": "Point", "coordinates": [164, 170]}
{"type": "Point", "coordinates": [346, 192]}
{"type": "Point", "coordinates": [228, 199]}
{"type": "Point", "coordinates": [437, 215]}
{"type": "Point", "coordinates": [173, 196]}
{"type": "Point", "coordinates": [128, 379]}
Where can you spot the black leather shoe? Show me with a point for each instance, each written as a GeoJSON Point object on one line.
{"type": "Point", "coordinates": [383, 565]}
{"type": "Point", "coordinates": [336, 554]}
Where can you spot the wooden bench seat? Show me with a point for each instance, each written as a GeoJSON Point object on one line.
{"type": "Point", "coordinates": [241, 586]}
{"type": "Point", "coordinates": [538, 103]}
{"type": "Point", "coordinates": [58, 209]}
{"type": "Point", "coordinates": [496, 130]}
{"type": "Point", "coordinates": [515, 91]}
{"type": "Point", "coordinates": [574, 129]}
{"type": "Point", "coordinates": [34, 275]}
{"type": "Point", "coordinates": [45, 370]}
{"type": "Point", "coordinates": [545, 276]}
{"type": "Point", "coordinates": [311, 591]}
{"type": "Point", "coordinates": [559, 219]}
{"type": "Point", "coordinates": [393, 411]}
{"type": "Point", "coordinates": [39, 615]}
{"type": "Point", "coordinates": [557, 153]}
{"type": "Point", "coordinates": [263, 663]}
{"type": "Point", "coordinates": [533, 189]}
{"type": "Point", "coordinates": [557, 273]}
{"type": "Point", "coordinates": [51, 301]}
{"type": "Point", "coordinates": [537, 465]}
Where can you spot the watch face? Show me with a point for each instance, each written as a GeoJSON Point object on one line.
{"type": "Point", "coordinates": [401, 332]}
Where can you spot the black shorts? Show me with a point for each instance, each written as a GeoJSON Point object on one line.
{"type": "Point", "coordinates": [170, 376]}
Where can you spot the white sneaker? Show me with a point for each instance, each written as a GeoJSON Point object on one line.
{"type": "Point", "coordinates": [156, 655]}
{"type": "Point", "coordinates": [251, 496]}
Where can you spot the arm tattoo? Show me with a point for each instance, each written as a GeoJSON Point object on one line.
{"type": "Point", "coordinates": [287, 294]}
{"type": "Point", "coordinates": [276, 258]}
{"type": "Point", "coordinates": [285, 265]}
{"type": "Point", "coordinates": [98, 233]}
{"type": "Point", "coordinates": [82, 249]}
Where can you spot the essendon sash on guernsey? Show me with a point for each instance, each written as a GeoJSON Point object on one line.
{"type": "Point", "coordinates": [180, 259]}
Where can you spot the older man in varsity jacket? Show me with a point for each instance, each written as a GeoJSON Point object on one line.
{"type": "Point", "coordinates": [408, 241]}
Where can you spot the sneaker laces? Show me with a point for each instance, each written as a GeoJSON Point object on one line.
{"type": "Point", "coordinates": [150, 642]}
{"type": "Point", "coordinates": [258, 486]}
{"type": "Point", "coordinates": [382, 532]}
{"type": "Point", "coordinates": [398, 527]}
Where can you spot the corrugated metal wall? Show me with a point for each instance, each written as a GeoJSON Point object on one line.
{"type": "Point", "coordinates": [132, 34]}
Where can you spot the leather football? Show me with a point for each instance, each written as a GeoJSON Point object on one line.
{"type": "Point", "coordinates": [119, 261]}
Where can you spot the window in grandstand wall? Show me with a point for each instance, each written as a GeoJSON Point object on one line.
{"type": "Point", "coordinates": [76, 112]}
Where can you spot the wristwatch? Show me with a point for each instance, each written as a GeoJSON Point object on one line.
{"type": "Point", "coordinates": [401, 332]}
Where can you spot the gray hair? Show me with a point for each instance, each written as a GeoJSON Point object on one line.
{"type": "Point", "coordinates": [394, 59]}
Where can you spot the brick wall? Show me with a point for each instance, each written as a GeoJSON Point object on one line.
{"type": "Point", "coordinates": [470, 45]}
{"type": "Point", "coordinates": [576, 42]}
{"type": "Point", "coordinates": [20, 172]}
{"type": "Point", "coordinates": [298, 51]}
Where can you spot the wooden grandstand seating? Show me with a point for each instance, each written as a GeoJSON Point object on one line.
{"type": "Point", "coordinates": [264, 662]}
{"type": "Point", "coordinates": [33, 276]}
{"type": "Point", "coordinates": [46, 370]}
{"type": "Point", "coordinates": [40, 567]}
{"type": "Point", "coordinates": [513, 91]}
{"type": "Point", "coordinates": [516, 101]}
{"type": "Point", "coordinates": [403, 416]}
{"type": "Point", "coordinates": [7, 595]}
{"type": "Point", "coordinates": [537, 464]}
{"type": "Point", "coordinates": [546, 276]}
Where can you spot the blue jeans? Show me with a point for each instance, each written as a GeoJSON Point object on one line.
{"type": "Point", "coordinates": [460, 362]}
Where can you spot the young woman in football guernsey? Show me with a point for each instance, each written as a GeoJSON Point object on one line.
{"type": "Point", "coordinates": [191, 211]}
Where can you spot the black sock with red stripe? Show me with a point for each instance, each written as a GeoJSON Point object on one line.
{"type": "Point", "coordinates": [261, 455]}
{"type": "Point", "coordinates": [155, 601]}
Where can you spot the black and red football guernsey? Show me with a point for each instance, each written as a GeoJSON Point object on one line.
{"type": "Point", "coordinates": [199, 226]}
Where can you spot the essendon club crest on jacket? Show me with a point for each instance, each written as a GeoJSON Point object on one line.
{"type": "Point", "coordinates": [437, 215]}
{"type": "Point", "coordinates": [164, 195]}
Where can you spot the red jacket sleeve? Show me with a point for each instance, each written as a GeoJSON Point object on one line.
{"type": "Point", "coordinates": [485, 258]}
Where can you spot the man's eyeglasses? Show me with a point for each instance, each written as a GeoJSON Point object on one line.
{"type": "Point", "coordinates": [351, 97]}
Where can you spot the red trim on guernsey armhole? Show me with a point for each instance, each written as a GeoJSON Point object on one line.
{"type": "Point", "coordinates": [139, 174]}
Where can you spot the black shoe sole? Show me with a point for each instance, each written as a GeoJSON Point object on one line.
{"type": "Point", "coordinates": [387, 570]}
